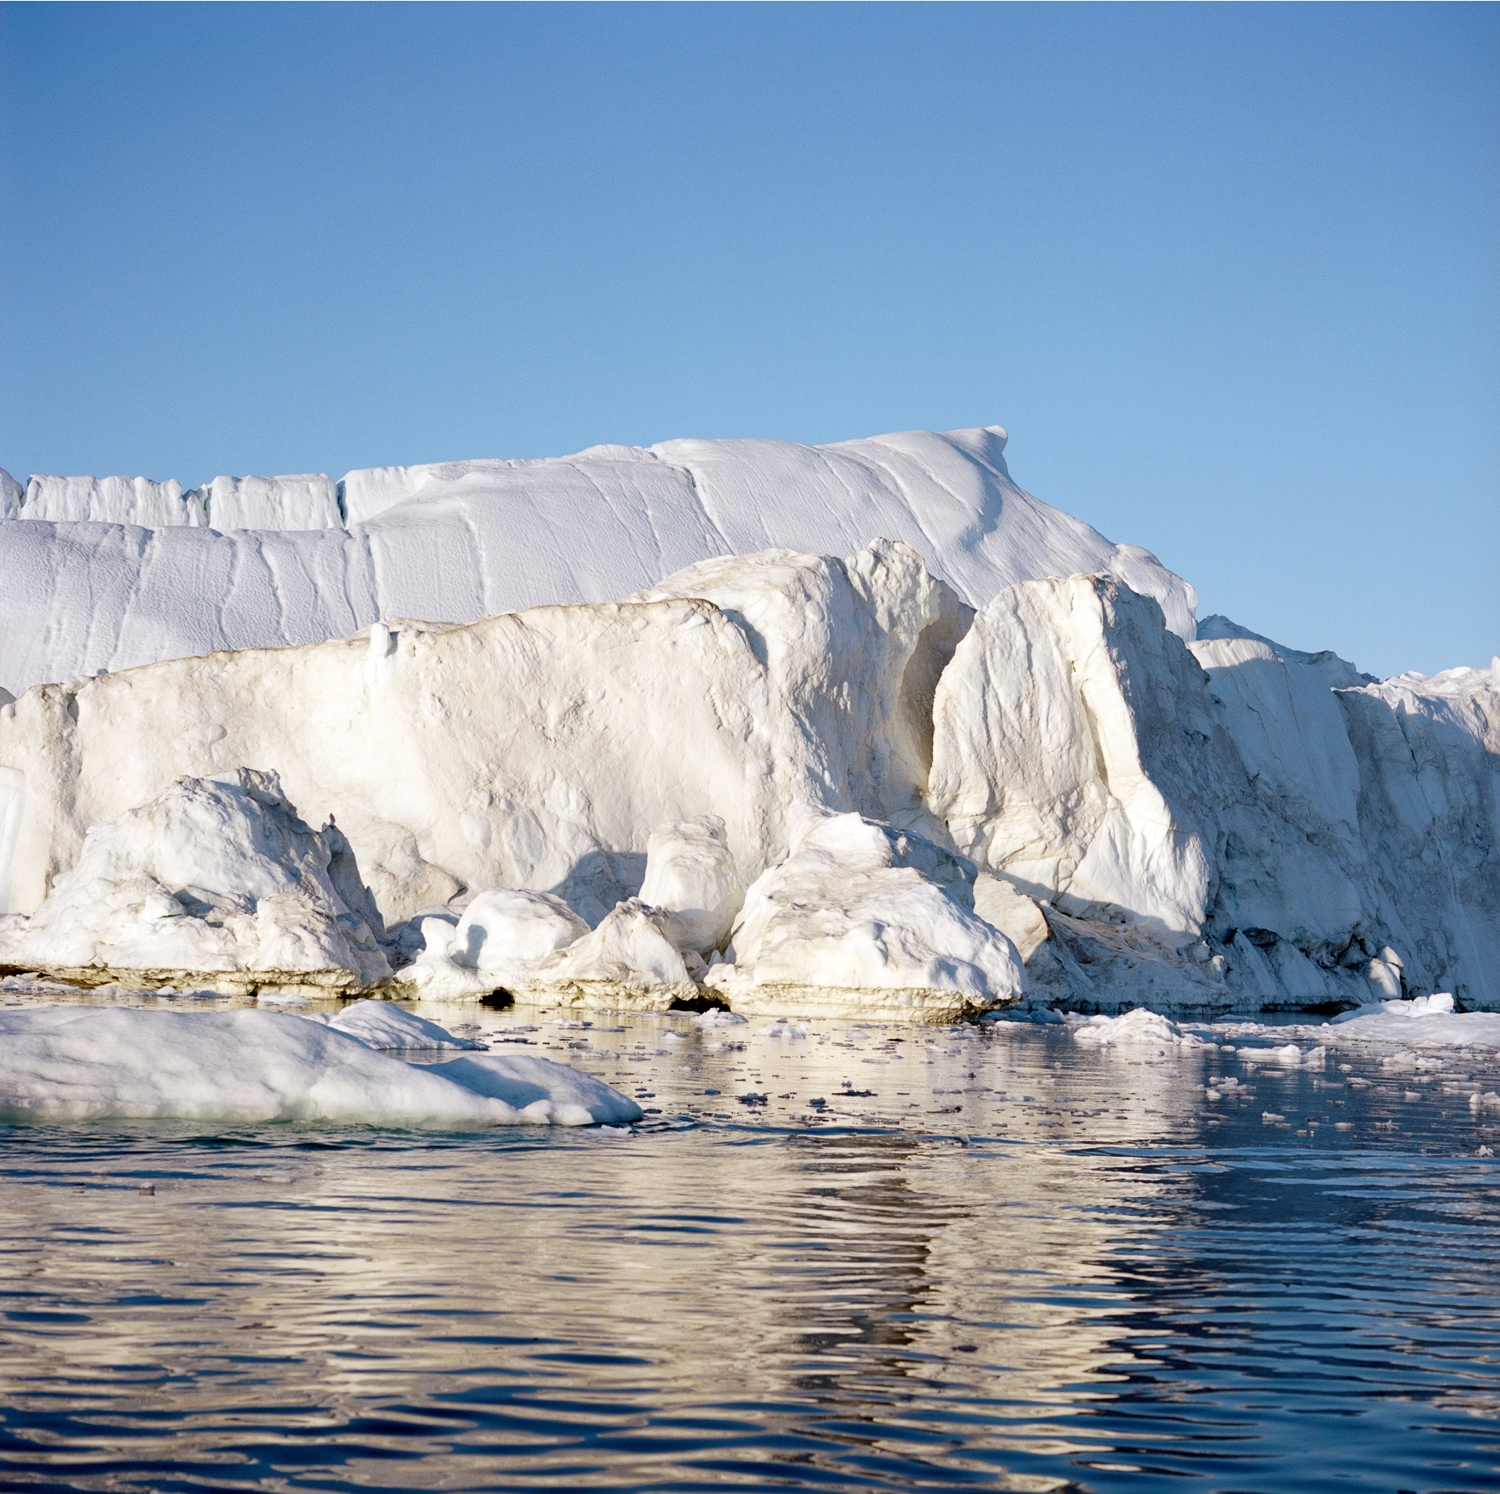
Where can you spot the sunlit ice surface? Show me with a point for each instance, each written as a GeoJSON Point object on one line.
{"type": "Point", "coordinates": [831, 1257]}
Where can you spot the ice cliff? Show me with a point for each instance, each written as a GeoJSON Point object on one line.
{"type": "Point", "coordinates": [985, 757]}
{"type": "Point", "coordinates": [115, 572]}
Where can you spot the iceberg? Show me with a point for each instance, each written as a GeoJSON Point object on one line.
{"type": "Point", "coordinates": [86, 1063]}
{"type": "Point", "coordinates": [985, 759]}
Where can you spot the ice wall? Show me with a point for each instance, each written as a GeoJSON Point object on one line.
{"type": "Point", "coordinates": [112, 500]}
{"type": "Point", "coordinates": [1229, 820]}
{"type": "Point", "coordinates": [1205, 826]}
{"type": "Point", "coordinates": [308, 500]}
{"type": "Point", "coordinates": [465, 540]}
{"type": "Point", "coordinates": [536, 749]}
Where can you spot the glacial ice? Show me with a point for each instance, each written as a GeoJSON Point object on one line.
{"type": "Point", "coordinates": [690, 872]}
{"type": "Point", "coordinates": [459, 541]}
{"type": "Point", "coordinates": [214, 883]}
{"type": "Point", "coordinates": [112, 500]}
{"type": "Point", "coordinates": [503, 935]}
{"type": "Point", "coordinates": [88, 1063]}
{"type": "Point", "coordinates": [830, 778]}
{"type": "Point", "coordinates": [863, 919]}
{"type": "Point", "coordinates": [536, 750]}
{"type": "Point", "coordinates": [306, 500]}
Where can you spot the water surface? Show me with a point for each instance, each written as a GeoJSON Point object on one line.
{"type": "Point", "coordinates": [989, 1259]}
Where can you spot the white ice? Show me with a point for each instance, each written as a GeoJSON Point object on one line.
{"type": "Point", "coordinates": [458, 541]}
{"type": "Point", "coordinates": [389, 1028]}
{"type": "Point", "coordinates": [864, 918]}
{"type": "Point", "coordinates": [84, 1063]}
{"type": "Point", "coordinates": [503, 935]}
{"type": "Point", "coordinates": [1141, 817]}
{"type": "Point", "coordinates": [214, 883]}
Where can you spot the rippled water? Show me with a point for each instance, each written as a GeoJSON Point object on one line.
{"type": "Point", "coordinates": [1014, 1263]}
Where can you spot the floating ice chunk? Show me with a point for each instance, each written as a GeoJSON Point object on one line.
{"type": "Point", "coordinates": [1289, 1055]}
{"type": "Point", "coordinates": [502, 938]}
{"type": "Point", "coordinates": [1424, 1021]}
{"type": "Point", "coordinates": [849, 923]}
{"type": "Point", "coordinates": [388, 1028]}
{"type": "Point", "coordinates": [782, 1030]}
{"type": "Point", "coordinates": [717, 1017]}
{"type": "Point", "coordinates": [213, 884]}
{"type": "Point", "coordinates": [690, 872]}
{"type": "Point", "coordinates": [1139, 1027]}
{"type": "Point", "coordinates": [86, 1063]}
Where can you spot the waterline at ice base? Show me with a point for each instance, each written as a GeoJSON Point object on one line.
{"type": "Point", "coordinates": [850, 732]}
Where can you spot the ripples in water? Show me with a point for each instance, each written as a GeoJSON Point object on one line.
{"type": "Point", "coordinates": [985, 1260]}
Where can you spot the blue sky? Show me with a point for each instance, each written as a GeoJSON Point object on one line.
{"type": "Point", "coordinates": [1229, 275]}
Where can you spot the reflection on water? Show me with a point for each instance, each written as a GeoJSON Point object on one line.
{"type": "Point", "coordinates": [985, 1259]}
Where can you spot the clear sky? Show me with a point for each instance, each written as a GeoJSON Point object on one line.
{"type": "Point", "coordinates": [1230, 276]}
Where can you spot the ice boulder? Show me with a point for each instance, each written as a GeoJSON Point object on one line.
{"type": "Point", "coordinates": [503, 935]}
{"type": "Point", "coordinates": [89, 1063]}
{"type": "Point", "coordinates": [864, 920]}
{"type": "Point", "coordinates": [690, 871]}
{"type": "Point", "coordinates": [12, 495]}
{"type": "Point", "coordinates": [1004, 906]}
{"type": "Point", "coordinates": [632, 962]}
{"type": "Point", "coordinates": [215, 883]}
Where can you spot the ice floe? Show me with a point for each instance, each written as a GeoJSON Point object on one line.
{"type": "Point", "coordinates": [87, 1063]}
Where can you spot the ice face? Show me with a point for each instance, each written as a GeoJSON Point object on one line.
{"type": "Point", "coordinates": [255, 562]}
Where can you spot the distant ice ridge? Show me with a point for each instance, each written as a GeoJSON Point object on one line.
{"type": "Point", "coordinates": [88, 1063]}
{"type": "Point", "coordinates": [116, 572]}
